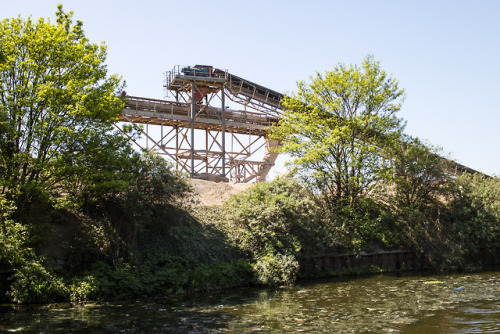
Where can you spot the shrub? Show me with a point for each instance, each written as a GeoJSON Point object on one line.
{"type": "Point", "coordinates": [273, 223]}
{"type": "Point", "coordinates": [83, 289]}
{"type": "Point", "coordinates": [475, 212]}
{"type": "Point", "coordinates": [33, 283]}
{"type": "Point", "coordinates": [13, 236]}
{"type": "Point", "coordinates": [279, 216]}
{"type": "Point", "coordinates": [274, 269]}
{"type": "Point", "coordinates": [175, 275]}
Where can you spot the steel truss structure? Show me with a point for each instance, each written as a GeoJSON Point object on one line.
{"type": "Point", "coordinates": [199, 134]}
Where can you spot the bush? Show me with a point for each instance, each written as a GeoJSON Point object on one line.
{"type": "Point", "coordinates": [279, 216]}
{"type": "Point", "coordinates": [363, 225]}
{"type": "Point", "coordinates": [275, 269]}
{"type": "Point", "coordinates": [13, 236]}
{"type": "Point", "coordinates": [475, 212]}
{"type": "Point", "coordinates": [83, 289]}
{"type": "Point", "coordinates": [33, 283]}
{"type": "Point", "coordinates": [219, 275]}
{"type": "Point", "coordinates": [451, 222]}
{"type": "Point", "coordinates": [274, 223]}
{"type": "Point", "coordinates": [176, 275]}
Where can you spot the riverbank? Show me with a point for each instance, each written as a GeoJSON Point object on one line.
{"type": "Point", "coordinates": [270, 234]}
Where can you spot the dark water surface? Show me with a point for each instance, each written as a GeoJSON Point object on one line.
{"type": "Point", "coordinates": [459, 303]}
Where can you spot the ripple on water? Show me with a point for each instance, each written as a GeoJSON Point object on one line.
{"type": "Point", "coordinates": [444, 304]}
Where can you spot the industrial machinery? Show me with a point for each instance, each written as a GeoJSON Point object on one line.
{"type": "Point", "coordinates": [200, 134]}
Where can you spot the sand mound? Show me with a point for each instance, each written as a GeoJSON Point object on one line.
{"type": "Point", "coordinates": [212, 193]}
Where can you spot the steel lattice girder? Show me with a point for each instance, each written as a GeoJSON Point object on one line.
{"type": "Point", "coordinates": [168, 125]}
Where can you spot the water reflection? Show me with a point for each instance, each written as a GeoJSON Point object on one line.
{"type": "Point", "coordinates": [466, 318]}
{"type": "Point", "coordinates": [440, 304]}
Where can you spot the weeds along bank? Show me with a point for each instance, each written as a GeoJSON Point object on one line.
{"type": "Point", "coordinates": [117, 251]}
{"type": "Point", "coordinates": [126, 247]}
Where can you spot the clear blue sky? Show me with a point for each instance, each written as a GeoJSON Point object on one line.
{"type": "Point", "coordinates": [446, 54]}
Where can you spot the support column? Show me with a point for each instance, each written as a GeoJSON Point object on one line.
{"type": "Point", "coordinates": [176, 147]}
{"type": "Point", "coordinates": [223, 133]}
{"type": "Point", "coordinates": [161, 135]}
{"type": "Point", "coordinates": [192, 128]}
{"type": "Point", "coordinates": [207, 147]}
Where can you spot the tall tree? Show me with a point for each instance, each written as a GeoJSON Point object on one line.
{"type": "Point", "coordinates": [336, 126]}
{"type": "Point", "coordinates": [57, 107]}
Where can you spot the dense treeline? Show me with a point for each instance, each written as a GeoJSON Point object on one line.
{"type": "Point", "coordinates": [85, 217]}
{"type": "Point", "coordinates": [278, 223]}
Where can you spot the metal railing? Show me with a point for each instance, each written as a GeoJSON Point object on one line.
{"type": "Point", "coordinates": [172, 107]}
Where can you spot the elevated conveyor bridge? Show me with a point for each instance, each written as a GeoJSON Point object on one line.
{"type": "Point", "coordinates": [205, 138]}
{"type": "Point", "coordinates": [200, 134]}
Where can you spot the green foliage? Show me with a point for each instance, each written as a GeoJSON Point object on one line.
{"type": "Point", "coordinates": [220, 275]}
{"type": "Point", "coordinates": [57, 107]}
{"type": "Point", "coordinates": [13, 236]}
{"type": "Point", "coordinates": [419, 179]}
{"type": "Point", "coordinates": [275, 269]}
{"type": "Point", "coordinates": [66, 172]}
{"type": "Point", "coordinates": [380, 187]}
{"type": "Point", "coordinates": [444, 219]}
{"type": "Point", "coordinates": [72, 188]}
{"type": "Point", "coordinates": [336, 128]}
{"type": "Point", "coordinates": [155, 181]}
{"type": "Point", "coordinates": [177, 274]}
{"type": "Point", "coordinates": [83, 289]}
{"type": "Point", "coordinates": [475, 212]}
{"type": "Point", "coordinates": [63, 169]}
{"type": "Point", "coordinates": [106, 168]}
{"type": "Point", "coordinates": [114, 224]}
{"type": "Point", "coordinates": [33, 283]}
{"type": "Point", "coordinates": [272, 217]}
{"type": "Point", "coordinates": [367, 225]}
{"type": "Point", "coordinates": [412, 201]}
{"type": "Point", "coordinates": [272, 222]}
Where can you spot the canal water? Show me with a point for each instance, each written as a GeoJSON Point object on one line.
{"type": "Point", "coordinates": [458, 303]}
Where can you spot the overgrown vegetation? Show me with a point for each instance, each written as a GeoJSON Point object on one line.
{"type": "Point", "coordinates": [378, 186]}
{"type": "Point", "coordinates": [85, 217]}
{"type": "Point", "coordinates": [280, 222]}
{"type": "Point", "coordinates": [82, 214]}
{"type": "Point", "coordinates": [273, 223]}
